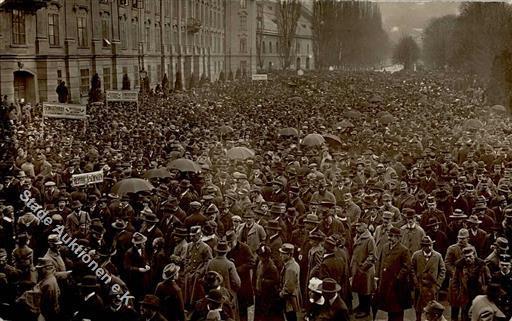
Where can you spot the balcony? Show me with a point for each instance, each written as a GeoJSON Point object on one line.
{"type": "Point", "coordinates": [28, 6]}
{"type": "Point", "coordinates": [193, 25]}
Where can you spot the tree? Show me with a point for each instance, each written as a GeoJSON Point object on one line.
{"type": "Point", "coordinates": [438, 41]}
{"type": "Point", "coordinates": [406, 52]}
{"type": "Point", "coordinates": [95, 94]}
{"type": "Point", "coordinates": [126, 82]}
{"type": "Point", "coordinates": [287, 17]}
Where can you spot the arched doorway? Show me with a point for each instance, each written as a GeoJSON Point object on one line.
{"type": "Point", "coordinates": [297, 65]}
{"type": "Point", "coordinates": [25, 86]}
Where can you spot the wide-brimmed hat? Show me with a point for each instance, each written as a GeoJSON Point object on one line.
{"type": "Point", "coordinates": [473, 219]}
{"type": "Point", "coordinates": [287, 248]}
{"type": "Point", "coordinates": [43, 262]}
{"type": "Point", "coordinates": [248, 214]}
{"type": "Point", "coordinates": [195, 205]}
{"type": "Point", "coordinates": [138, 238]}
{"type": "Point", "coordinates": [501, 243]}
{"type": "Point", "coordinates": [409, 213]}
{"type": "Point", "coordinates": [170, 270]}
{"type": "Point", "coordinates": [222, 247]}
{"type": "Point", "coordinates": [150, 218]}
{"type": "Point", "coordinates": [387, 215]}
{"type": "Point", "coordinates": [212, 279]}
{"type": "Point", "coordinates": [314, 285]}
{"type": "Point", "coordinates": [426, 240]}
{"type": "Point", "coordinates": [119, 224]}
{"type": "Point", "coordinates": [458, 214]}
{"type": "Point", "coordinates": [54, 239]}
{"type": "Point", "coordinates": [329, 286]}
{"type": "Point", "coordinates": [273, 225]}
{"type": "Point", "coordinates": [76, 204]}
{"type": "Point", "coordinates": [88, 281]}
{"type": "Point", "coordinates": [195, 230]}
{"type": "Point", "coordinates": [151, 301]}
{"type": "Point", "coordinates": [433, 221]}
{"type": "Point", "coordinates": [312, 218]}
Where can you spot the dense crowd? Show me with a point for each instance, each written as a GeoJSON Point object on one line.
{"type": "Point", "coordinates": [321, 197]}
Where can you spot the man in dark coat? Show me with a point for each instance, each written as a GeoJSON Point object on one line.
{"type": "Point", "coordinates": [393, 270]}
{"type": "Point", "coordinates": [334, 308]}
{"type": "Point", "coordinates": [170, 295]}
{"type": "Point", "coordinates": [50, 291]}
{"type": "Point", "coordinates": [503, 277]}
{"type": "Point", "coordinates": [136, 266]}
{"type": "Point", "coordinates": [196, 218]}
{"type": "Point", "coordinates": [244, 260]}
{"type": "Point", "coordinates": [62, 92]}
{"type": "Point", "coordinates": [91, 305]}
{"type": "Point", "coordinates": [197, 256]}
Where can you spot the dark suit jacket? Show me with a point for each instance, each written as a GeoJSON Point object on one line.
{"type": "Point", "coordinates": [171, 300]}
{"type": "Point", "coordinates": [92, 309]}
{"type": "Point", "coordinates": [337, 311]}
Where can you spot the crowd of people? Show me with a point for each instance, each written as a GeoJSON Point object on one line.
{"type": "Point", "coordinates": [320, 197]}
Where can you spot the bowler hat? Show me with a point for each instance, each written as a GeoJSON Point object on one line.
{"type": "Point", "coordinates": [502, 243]}
{"type": "Point", "coordinates": [222, 247]}
{"type": "Point", "coordinates": [394, 231]}
{"type": "Point", "coordinates": [76, 204]}
{"type": "Point", "coordinates": [329, 286]}
{"type": "Point", "coordinates": [409, 212]}
{"type": "Point", "coordinates": [433, 221]}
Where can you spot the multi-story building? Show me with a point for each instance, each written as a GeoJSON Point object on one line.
{"type": "Point", "coordinates": [268, 57]}
{"type": "Point", "coordinates": [71, 40]}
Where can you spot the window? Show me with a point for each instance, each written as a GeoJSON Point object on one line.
{"type": "Point", "coordinates": [243, 23]}
{"type": "Point", "coordinates": [59, 75]}
{"type": "Point", "coordinates": [263, 46]}
{"type": "Point", "coordinates": [84, 82]}
{"type": "Point", "coordinates": [135, 3]}
{"type": "Point", "coordinates": [124, 33]}
{"type": "Point", "coordinates": [82, 31]}
{"type": "Point", "coordinates": [105, 23]}
{"type": "Point", "coordinates": [243, 4]}
{"type": "Point", "coordinates": [270, 46]}
{"type": "Point", "coordinates": [136, 76]}
{"type": "Point", "coordinates": [135, 35]}
{"type": "Point", "coordinates": [158, 38]}
{"type": "Point", "coordinates": [158, 73]}
{"type": "Point", "coordinates": [297, 47]}
{"type": "Point", "coordinates": [149, 74]}
{"type": "Point", "coordinates": [53, 29]}
{"type": "Point", "coordinates": [106, 79]}
{"type": "Point", "coordinates": [175, 9]}
{"type": "Point", "coordinates": [148, 37]}
{"type": "Point", "coordinates": [307, 48]}
{"type": "Point", "coordinates": [18, 27]}
{"type": "Point", "coordinates": [123, 2]}
{"type": "Point", "coordinates": [243, 45]}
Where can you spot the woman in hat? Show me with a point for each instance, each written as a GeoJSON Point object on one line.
{"type": "Point", "coordinates": [267, 287]}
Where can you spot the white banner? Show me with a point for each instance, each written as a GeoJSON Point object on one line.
{"type": "Point", "coordinates": [122, 95]}
{"type": "Point", "coordinates": [55, 110]}
{"type": "Point", "coordinates": [87, 178]}
{"type": "Point", "coordinates": [260, 77]}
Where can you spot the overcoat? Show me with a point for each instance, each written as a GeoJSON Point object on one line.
{"type": "Point", "coordinates": [362, 269]}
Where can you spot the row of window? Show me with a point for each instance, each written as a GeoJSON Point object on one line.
{"type": "Point", "coordinates": [19, 32]}
{"type": "Point", "coordinates": [297, 47]}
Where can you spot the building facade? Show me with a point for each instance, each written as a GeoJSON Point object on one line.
{"type": "Point", "coordinates": [71, 40]}
{"type": "Point", "coordinates": [267, 56]}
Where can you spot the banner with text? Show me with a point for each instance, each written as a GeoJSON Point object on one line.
{"type": "Point", "coordinates": [122, 95]}
{"type": "Point", "coordinates": [87, 178]}
{"type": "Point", "coordinates": [55, 110]}
{"type": "Point", "coordinates": [260, 77]}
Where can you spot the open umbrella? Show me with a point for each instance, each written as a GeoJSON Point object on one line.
{"type": "Point", "coordinates": [387, 119]}
{"type": "Point", "coordinates": [240, 153]}
{"type": "Point", "coordinates": [184, 165]}
{"type": "Point", "coordinates": [161, 172]}
{"type": "Point", "coordinates": [344, 124]}
{"type": "Point", "coordinates": [499, 108]}
{"type": "Point", "coordinates": [473, 124]}
{"type": "Point", "coordinates": [313, 140]}
{"type": "Point", "coordinates": [131, 185]}
{"type": "Point", "coordinates": [333, 140]}
{"type": "Point", "coordinates": [353, 114]}
{"type": "Point", "coordinates": [289, 131]}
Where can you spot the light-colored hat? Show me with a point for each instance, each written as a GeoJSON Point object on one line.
{"type": "Point", "coordinates": [314, 285]}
